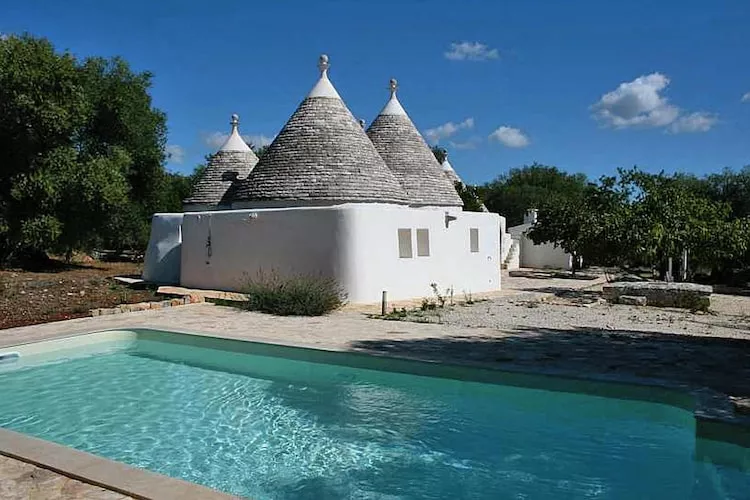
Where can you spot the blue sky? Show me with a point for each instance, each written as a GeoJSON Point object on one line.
{"type": "Point", "coordinates": [588, 85]}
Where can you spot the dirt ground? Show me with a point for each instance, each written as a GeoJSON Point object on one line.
{"type": "Point", "coordinates": [65, 291]}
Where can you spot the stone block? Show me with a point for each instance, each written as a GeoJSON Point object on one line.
{"type": "Point", "coordinates": [95, 312]}
{"type": "Point", "coordinates": [175, 302]}
{"type": "Point", "coordinates": [166, 303]}
{"type": "Point", "coordinates": [632, 300]}
{"type": "Point", "coordinates": [155, 305]}
{"type": "Point", "coordinates": [141, 306]}
{"type": "Point", "coordinates": [662, 294]}
{"type": "Point", "coordinates": [106, 312]}
{"type": "Point", "coordinates": [195, 298]}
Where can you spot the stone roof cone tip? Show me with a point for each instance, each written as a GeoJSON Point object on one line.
{"type": "Point", "coordinates": [446, 164]}
{"type": "Point", "coordinates": [233, 161]}
{"type": "Point", "coordinates": [324, 87]}
{"type": "Point", "coordinates": [235, 142]}
{"type": "Point", "coordinates": [409, 157]}
{"type": "Point", "coordinates": [322, 155]}
{"type": "Point", "coordinates": [393, 106]}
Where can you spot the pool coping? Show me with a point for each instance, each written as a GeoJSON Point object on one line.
{"type": "Point", "coordinates": [115, 476]}
{"type": "Point", "coordinates": [715, 419]}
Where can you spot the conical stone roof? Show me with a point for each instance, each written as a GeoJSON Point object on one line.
{"type": "Point", "coordinates": [407, 154]}
{"type": "Point", "coordinates": [449, 172]}
{"type": "Point", "coordinates": [321, 156]}
{"type": "Point", "coordinates": [234, 160]}
{"type": "Point", "coordinates": [454, 178]}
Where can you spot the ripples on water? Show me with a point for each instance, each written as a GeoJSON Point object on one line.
{"type": "Point", "coordinates": [347, 433]}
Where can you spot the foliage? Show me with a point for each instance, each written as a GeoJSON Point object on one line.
{"type": "Point", "coordinates": [440, 154]}
{"type": "Point", "coordinates": [83, 152]}
{"type": "Point", "coordinates": [639, 218]}
{"type": "Point", "coordinates": [521, 189]}
{"type": "Point", "coordinates": [259, 151]}
{"type": "Point", "coordinates": [471, 196]}
{"type": "Point", "coordinates": [300, 295]}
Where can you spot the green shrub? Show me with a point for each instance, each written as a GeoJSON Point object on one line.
{"type": "Point", "coordinates": [298, 295]}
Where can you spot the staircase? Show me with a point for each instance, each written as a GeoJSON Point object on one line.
{"type": "Point", "coordinates": [512, 259]}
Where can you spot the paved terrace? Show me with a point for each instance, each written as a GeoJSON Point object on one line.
{"type": "Point", "coordinates": [665, 349]}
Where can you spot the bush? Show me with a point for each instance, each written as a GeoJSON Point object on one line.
{"type": "Point", "coordinates": [300, 295]}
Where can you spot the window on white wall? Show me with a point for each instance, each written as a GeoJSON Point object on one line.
{"type": "Point", "coordinates": [423, 242]}
{"type": "Point", "coordinates": [404, 243]}
{"type": "Point", "coordinates": [474, 239]}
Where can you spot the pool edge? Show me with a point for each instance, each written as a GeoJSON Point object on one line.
{"type": "Point", "coordinates": [102, 472]}
{"type": "Point", "coordinates": [713, 411]}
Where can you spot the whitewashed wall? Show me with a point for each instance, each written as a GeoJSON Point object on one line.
{"type": "Point", "coordinates": [543, 256]}
{"type": "Point", "coordinates": [356, 244]}
{"type": "Point", "coordinates": [161, 264]}
{"type": "Point", "coordinates": [246, 242]}
{"type": "Point", "coordinates": [375, 258]}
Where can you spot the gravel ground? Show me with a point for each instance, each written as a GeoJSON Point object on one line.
{"type": "Point", "coordinates": [561, 308]}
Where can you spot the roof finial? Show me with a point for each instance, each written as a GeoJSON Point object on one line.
{"type": "Point", "coordinates": [323, 64]}
{"type": "Point", "coordinates": [362, 122]}
{"type": "Point", "coordinates": [393, 86]}
{"type": "Point", "coordinates": [235, 121]}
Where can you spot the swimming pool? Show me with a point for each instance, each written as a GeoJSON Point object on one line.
{"type": "Point", "coordinates": [270, 422]}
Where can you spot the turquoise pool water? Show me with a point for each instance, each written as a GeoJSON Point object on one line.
{"type": "Point", "coordinates": [276, 428]}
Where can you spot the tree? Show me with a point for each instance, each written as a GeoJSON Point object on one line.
{"type": "Point", "coordinates": [640, 218]}
{"type": "Point", "coordinates": [733, 188]}
{"type": "Point", "coordinates": [593, 226]}
{"type": "Point", "coordinates": [259, 151]}
{"type": "Point", "coordinates": [440, 154]}
{"type": "Point", "coordinates": [512, 194]}
{"type": "Point", "coordinates": [83, 151]}
{"type": "Point", "coordinates": [471, 196]}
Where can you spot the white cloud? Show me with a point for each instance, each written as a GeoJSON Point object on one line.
{"type": "Point", "coordinates": [434, 135]}
{"type": "Point", "coordinates": [257, 141]}
{"type": "Point", "coordinates": [746, 97]}
{"type": "Point", "coordinates": [470, 51]}
{"type": "Point", "coordinates": [472, 143]}
{"type": "Point", "coordinates": [699, 121]}
{"type": "Point", "coordinates": [215, 140]}
{"type": "Point", "coordinates": [175, 153]}
{"type": "Point", "coordinates": [510, 137]}
{"type": "Point", "coordinates": [641, 103]}
{"type": "Point", "coordinates": [637, 103]}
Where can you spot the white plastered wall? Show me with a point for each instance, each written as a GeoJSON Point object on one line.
{"type": "Point", "coordinates": [222, 250]}
{"type": "Point", "coordinates": [544, 255]}
{"type": "Point", "coordinates": [357, 244]}
{"type": "Point", "coordinates": [374, 250]}
{"type": "Point", "coordinates": [161, 264]}
{"type": "Point", "coordinates": [541, 256]}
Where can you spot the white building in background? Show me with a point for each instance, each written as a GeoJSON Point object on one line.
{"type": "Point", "coordinates": [523, 252]}
{"type": "Point", "coordinates": [373, 210]}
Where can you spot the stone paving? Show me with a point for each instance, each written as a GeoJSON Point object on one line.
{"type": "Point", "coordinates": [22, 481]}
{"type": "Point", "coordinates": [705, 359]}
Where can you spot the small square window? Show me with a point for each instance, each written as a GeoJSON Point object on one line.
{"type": "Point", "coordinates": [423, 242]}
{"type": "Point", "coordinates": [474, 239]}
{"type": "Point", "coordinates": [404, 243]}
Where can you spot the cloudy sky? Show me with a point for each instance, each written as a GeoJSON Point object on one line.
{"type": "Point", "coordinates": [587, 85]}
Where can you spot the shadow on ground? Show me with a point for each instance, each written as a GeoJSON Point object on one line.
{"type": "Point", "coordinates": [547, 274]}
{"type": "Point", "coordinates": [720, 363]}
{"type": "Point", "coordinates": [567, 293]}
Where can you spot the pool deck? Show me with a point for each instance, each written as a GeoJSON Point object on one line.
{"type": "Point", "coordinates": [720, 364]}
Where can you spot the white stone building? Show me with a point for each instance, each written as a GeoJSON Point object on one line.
{"type": "Point", "coordinates": [371, 209]}
{"type": "Point", "coordinates": [523, 252]}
